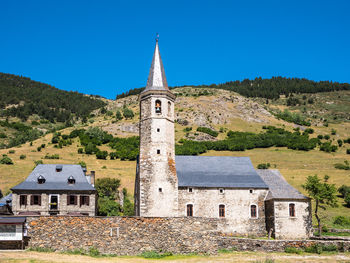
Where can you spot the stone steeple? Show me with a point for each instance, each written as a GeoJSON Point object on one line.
{"type": "Point", "coordinates": [156, 78]}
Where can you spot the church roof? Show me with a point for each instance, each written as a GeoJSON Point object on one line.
{"type": "Point", "coordinates": [217, 171]}
{"type": "Point", "coordinates": [56, 178]}
{"type": "Point", "coordinates": [278, 186]}
{"type": "Point", "coordinates": [156, 78]}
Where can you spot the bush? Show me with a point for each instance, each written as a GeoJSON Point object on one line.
{"type": "Point", "coordinates": [38, 162]}
{"type": "Point", "coordinates": [309, 131]}
{"type": "Point", "coordinates": [53, 156]}
{"type": "Point", "coordinates": [22, 156]}
{"type": "Point", "coordinates": [343, 190]}
{"type": "Point", "coordinates": [316, 248]}
{"type": "Point", "coordinates": [320, 136]}
{"type": "Point", "coordinates": [80, 150]}
{"type": "Point", "coordinates": [187, 129]}
{"type": "Point", "coordinates": [327, 137]}
{"type": "Point", "coordinates": [6, 160]}
{"type": "Point", "coordinates": [3, 135]}
{"type": "Point", "coordinates": [208, 131]}
{"type": "Point", "coordinates": [347, 199]}
{"type": "Point", "coordinates": [102, 155]}
{"type": "Point", "coordinates": [38, 149]}
{"type": "Point", "coordinates": [292, 117]}
{"type": "Point", "coordinates": [82, 164]}
{"type": "Point", "coordinates": [93, 252]}
{"type": "Point", "coordinates": [154, 254]}
{"type": "Point", "coordinates": [342, 166]}
{"type": "Point", "coordinates": [328, 147]}
{"type": "Point", "coordinates": [12, 151]}
{"type": "Point", "coordinates": [292, 250]}
{"type": "Point", "coordinates": [340, 142]}
{"type": "Point", "coordinates": [347, 151]}
{"type": "Point", "coordinates": [128, 113]}
{"type": "Point", "coordinates": [333, 132]}
{"type": "Point", "coordinates": [263, 166]}
{"type": "Point", "coordinates": [342, 221]}
{"type": "Point", "coordinates": [118, 116]}
{"type": "Point", "coordinates": [329, 248]}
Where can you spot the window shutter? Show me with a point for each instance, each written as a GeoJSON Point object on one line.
{"type": "Point", "coordinates": [25, 200]}
{"type": "Point", "coordinates": [81, 200]}
{"type": "Point", "coordinates": [31, 199]}
{"type": "Point", "coordinates": [68, 198]}
{"type": "Point", "coordinates": [39, 200]}
{"type": "Point", "coordinates": [87, 200]}
{"type": "Point", "coordinates": [75, 200]}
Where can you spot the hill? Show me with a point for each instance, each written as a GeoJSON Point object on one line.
{"type": "Point", "coordinates": [216, 112]}
{"type": "Point", "coordinates": [37, 107]}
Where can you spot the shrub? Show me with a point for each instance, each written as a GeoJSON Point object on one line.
{"type": "Point", "coordinates": [80, 150]}
{"type": "Point", "coordinates": [93, 252]}
{"type": "Point", "coordinates": [263, 166]}
{"type": "Point", "coordinates": [102, 155]}
{"type": "Point", "coordinates": [22, 156]}
{"type": "Point", "coordinates": [53, 156]}
{"type": "Point", "coordinates": [342, 221]}
{"type": "Point", "coordinates": [187, 129]}
{"type": "Point", "coordinates": [118, 116]}
{"type": "Point", "coordinates": [292, 250]}
{"type": "Point", "coordinates": [316, 248]}
{"type": "Point", "coordinates": [38, 162]}
{"type": "Point", "coordinates": [3, 135]}
{"type": "Point", "coordinates": [309, 131]}
{"type": "Point", "coordinates": [320, 136]}
{"type": "Point", "coordinates": [6, 160]}
{"type": "Point", "coordinates": [328, 147]}
{"type": "Point", "coordinates": [347, 199]}
{"type": "Point", "coordinates": [347, 151]}
{"type": "Point", "coordinates": [12, 151]}
{"type": "Point", "coordinates": [292, 117]}
{"type": "Point", "coordinates": [327, 137]}
{"type": "Point", "coordinates": [333, 132]}
{"type": "Point", "coordinates": [340, 142]}
{"type": "Point", "coordinates": [38, 149]}
{"type": "Point", "coordinates": [128, 113]}
{"type": "Point", "coordinates": [154, 254]}
{"type": "Point", "coordinates": [208, 131]}
{"type": "Point", "coordinates": [343, 190]}
{"type": "Point", "coordinates": [329, 248]}
{"type": "Point", "coordinates": [342, 166]}
{"type": "Point", "coordinates": [82, 164]}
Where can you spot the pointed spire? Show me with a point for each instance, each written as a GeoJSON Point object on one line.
{"type": "Point", "coordinates": [156, 78]}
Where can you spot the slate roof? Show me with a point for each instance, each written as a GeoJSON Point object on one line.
{"type": "Point", "coordinates": [12, 220]}
{"type": "Point", "coordinates": [278, 186]}
{"type": "Point", "coordinates": [217, 171]}
{"type": "Point", "coordinates": [6, 200]}
{"type": "Point", "coordinates": [56, 180]}
{"type": "Point", "coordinates": [156, 78]}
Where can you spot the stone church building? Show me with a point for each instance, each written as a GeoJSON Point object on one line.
{"type": "Point", "coordinates": [247, 201]}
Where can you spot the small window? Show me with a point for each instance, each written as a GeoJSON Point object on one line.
{"type": "Point", "coordinates": [35, 200]}
{"type": "Point", "coordinates": [71, 180]}
{"type": "Point", "coordinates": [158, 151]}
{"type": "Point", "coordinates": [22, 200]}
{"type": "Point", "coordinates": [84, 200]}
{"type": "Point", "coordinates": [41, 179]}
{"type": "Point", "coordinates": [169, 108]}
{"type": "Point", "coordinates": [251, 191]}
{"type": "Point", "coordinates": [221, 210]}
{"type": "Point", "coordinates": [158, 106]}
{"type": "Point", "coordinates": [221, 190]}
{"type": "Point", "coordinates": [158, 130]}
{"type": "Point", "coordinates": [253, 212]}
{"type": "Point", "coordinates": [292, 210]}
{"type": "Point", "coordinates": [160, 190]}
{"type": "Point", "coordinates": [190, 190]}
{"type": "Point", "coordinates": [72, 200]}
{"type": "Point", "coordinates": [189, 210]}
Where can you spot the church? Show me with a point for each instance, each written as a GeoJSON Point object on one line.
{"type": "Point", "coordinates": [245, 200]}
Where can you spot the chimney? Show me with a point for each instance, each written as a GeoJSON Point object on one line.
{"type": "Point", "coordinates": [84, 170]}
{"type": "Point", "coordinates": [92, 175]}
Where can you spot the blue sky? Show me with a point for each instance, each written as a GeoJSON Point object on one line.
{"type": "Point", "coordinates": [106, 47]}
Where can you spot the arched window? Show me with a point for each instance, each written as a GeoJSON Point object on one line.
{"type": "Point", "coordinates": [41, 179]}
{"type": "Point", "coordinates": [253, 211]}
{"type": "Point", "coordinates": [169, 108]}
{"type": "Point", "coordinates": [158, 106]}
{"type": "Point", "coordinates": [189, 210]}
{"type": "Point", "coordinates": [221, 210]}
{"type": "Point", "coordinates": [291, 209]}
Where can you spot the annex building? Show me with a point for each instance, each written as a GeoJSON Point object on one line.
{"type": "Point", "coordinates": [247, 201]}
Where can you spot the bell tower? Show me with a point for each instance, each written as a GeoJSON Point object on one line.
{"type": "Point", "coordinates": [156, 185]}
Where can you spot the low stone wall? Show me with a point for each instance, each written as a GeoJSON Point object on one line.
{"type": "Point", "coordinates": [133, 235]}
{"type": "Point", "coordinates": [246, 244]}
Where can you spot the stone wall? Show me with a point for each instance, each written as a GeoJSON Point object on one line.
{"type": "Point", "coordinates": [237, 204]}
{"type": "Point", "coordinates": [133, 235]}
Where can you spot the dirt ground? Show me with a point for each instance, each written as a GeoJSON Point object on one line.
{"type": "Point", "coordinates": [40, 257]}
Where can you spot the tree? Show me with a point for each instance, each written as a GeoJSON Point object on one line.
{"type": "Point", "coordinates": [322, 193]}
{"type": "Point", "coordinates": [118, 115]}
{"type": "Point", "coordinates": [128, 113]}
{"type": "Point", "coordinates": [1, 195]}
{"type": "Point", "coordinates": [6, 160]}
{"type": "Point", "coordinates": [106, 191]}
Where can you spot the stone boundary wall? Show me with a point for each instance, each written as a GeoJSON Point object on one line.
{"type": "Point", "coordinates": [133, 235]}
